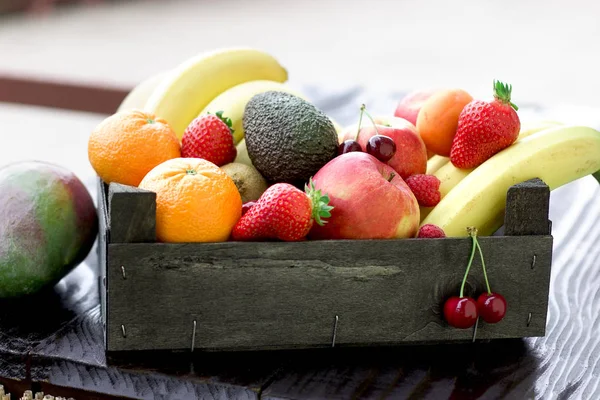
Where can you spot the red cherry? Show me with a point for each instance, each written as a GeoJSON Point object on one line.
{"type": "Point", "coordinates": [460, 312]}
{"type": "Point", "coordinates": [491, 307]}
{"type": "Point", "coordinates": [247, 206]}
{"type": "Point", "coordinates": [349, 146]}
{"type": "Point", "coordinates": [381, 147]}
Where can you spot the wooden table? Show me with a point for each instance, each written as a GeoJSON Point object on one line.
{"type": "Point", "coordinates": [53, 342]}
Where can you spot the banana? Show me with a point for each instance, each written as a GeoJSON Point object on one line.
{"type": "Point", "coordinates": [242, 156]}
{"type": "Point", "coordinates": [191, 86]}
{"type": "Point", "coordinates": [139, 95]}
{"type": "Point", "coordinates": [338, 127]}
{"type": "Point", "coordinates": [435, 163]}
{"type": "Point", "coordinates": [557, 155]}
{"type": "Point", "coordinates": [233, 102]}
{"type": "Point", "coordinates": [450, 176]}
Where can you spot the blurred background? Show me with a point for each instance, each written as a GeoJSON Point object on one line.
{"type": "Point", "coordinates": [546, 49]}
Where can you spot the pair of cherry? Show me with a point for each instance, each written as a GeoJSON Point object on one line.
{"type": "Point", "coordinates": [462, 311]}
{"type": "Point", "coordinates": [379, 146]}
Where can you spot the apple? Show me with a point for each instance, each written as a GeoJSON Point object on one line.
{"type": "Point", "coordinates": [409, 107]}
{"type": "Point", "coordinates": [370, 200]}
{"type": "Point", "coordinates": [411, 153]}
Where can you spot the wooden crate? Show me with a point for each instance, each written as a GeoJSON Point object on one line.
{"type": "Point", "coordinates": [251, 296]}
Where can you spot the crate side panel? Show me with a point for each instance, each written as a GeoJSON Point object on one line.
{"type": "Point", "coordinates": [103, 237]}
{"type": "Point", "coordinates": [286, 295]}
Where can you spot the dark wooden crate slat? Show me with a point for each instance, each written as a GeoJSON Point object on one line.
{"type": "Point", "coordinates": [103, 235]}
{"type": "Point", "coordinates": [527, 207]}
{"type": "Point", "coordinates": [286, 295]}
{"type": "Point", "coordinates": [132, 216]}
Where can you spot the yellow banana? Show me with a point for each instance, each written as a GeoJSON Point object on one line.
{"type": "Point", "coordinates": [435, 163]}
{"type": "Point", "coordinates": [138, 96]}
{"type": "Point", "coordinates": [450, 176]}
{"type": "Point", "coordinates": [191, 86]}
{"type": "Point", "coordinates": [233, 102]}
{"type": "Point", "coordinates": [557, 155]}
{"type": "Point", "coordinates": [242, 156]}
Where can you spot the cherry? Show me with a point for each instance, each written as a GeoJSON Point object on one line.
{"type": "Point", "coordinates": [460, 312]}
{"type": "Point", "coordinates": [349, 146]}
{"type": "Point", "coordinates": [491, 307]}
{"type": "Point", "coordinates": [247, 206]}
{"type": "Point", "coordinates": [381, 147]}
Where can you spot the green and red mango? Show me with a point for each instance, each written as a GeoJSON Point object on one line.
{"type": "Point", "coordinates": [48, 224]}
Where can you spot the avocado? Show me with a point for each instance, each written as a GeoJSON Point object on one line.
{"type": "Point", "coordinates": [288, 139]}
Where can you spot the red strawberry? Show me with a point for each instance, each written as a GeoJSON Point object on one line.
{"type": "Point", "coordinates": [485, 128]}
{"type": "Point", "coordinates": [431, 231]}
{"type": "Point", "coordinates": [209, 137]}
{"type": "Point", "coordinates": [283, 212]}
{"type": "Point", "coordinates": [425, 188]}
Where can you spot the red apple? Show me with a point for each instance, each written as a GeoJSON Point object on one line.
{"type": "Point", "coordinates": [411, 153]}
{"type": "Point", "coordinates": [367, 204]}
{"type": "Point", "coordinates": [409, 107]}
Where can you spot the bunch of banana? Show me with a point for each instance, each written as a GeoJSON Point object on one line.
{"type": "Point", "coordinates": [450, 176]}
{"type": "Point", "coordinates": [221, 80]}
{"type": "Point", "coordinates": [557, 155]}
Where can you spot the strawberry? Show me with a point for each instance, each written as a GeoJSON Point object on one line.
{"type": "Point", "coordinates": [430, 231]}
{"type": "Point", "coordinates": [283, 212]}
{"type": "Point", "coordinates": [425, 188]}
{"type": "Point", "coordinates": [209, 137]}
{"type": "Point", "coordinates": [484, 128]}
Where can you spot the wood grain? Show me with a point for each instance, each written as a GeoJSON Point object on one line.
{"type": "Point", "coordinates": [132, 214]}
{"type": "Point", "coordinates": [286, 295]}
{"type": "Point", "coordinates": [527, 205]}
{"type": "Point", "coordinates": [116, 382]}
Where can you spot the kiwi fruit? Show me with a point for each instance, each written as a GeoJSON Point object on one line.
{"type": "Point", "coordinates": [249, 182]}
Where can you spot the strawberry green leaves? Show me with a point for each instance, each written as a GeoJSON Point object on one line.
{"type": "Point", "coordinates": [226, 120]}
{"type": "Point", "coordinates": [320, 203]}
{"type": "Point", "coordinates": [502, 92]}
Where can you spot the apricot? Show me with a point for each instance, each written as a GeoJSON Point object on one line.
{"type": "Point", "coordinates": [438, 119]}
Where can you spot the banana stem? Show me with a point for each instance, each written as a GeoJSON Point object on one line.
{"type": "Point", "coordinates": [362, 110]}
{"type": "Point", "coordinates": [487, 283]}
{"type": "Point", "coordinates": [462, 287]}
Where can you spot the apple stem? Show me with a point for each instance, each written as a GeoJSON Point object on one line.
{"type": "Point", "coordinates": [362, 110]}
{"type": "Point", "coordinates": [392, 175]}
{"type": "Point", "coordinates": [487, 283]}
{"type": "Point", "coordinates": [372, 120]}
{"type": "Point", "coordinates": [462, 287]}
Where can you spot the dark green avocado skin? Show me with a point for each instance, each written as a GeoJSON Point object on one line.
{"type": "Point", "coordinates": [288, 139]}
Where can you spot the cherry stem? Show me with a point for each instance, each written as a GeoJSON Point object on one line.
{"type": "Point", "coordinates": [371, 118]}
{"type": "Point", "coordinates": [487, 283]}
{"type": "Point", "coordinates": [362, 110]}
{"type": "Point", "coordinates": [462, 287]}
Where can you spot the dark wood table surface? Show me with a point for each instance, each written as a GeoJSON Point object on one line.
{"type": "Point", "coordinates": [54, 341]}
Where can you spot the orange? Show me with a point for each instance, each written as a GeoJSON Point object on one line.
{"type": "Point", "coordinates": [126, 146]}
{"type": "Point", "coordinates": [195, 201]}
{"type": "Point", "coordinates": [438, 119]}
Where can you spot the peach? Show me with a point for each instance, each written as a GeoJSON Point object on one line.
{"type": "Point", "coordinates": [409, 107]}
{"type": "Point", "coordinates": [438, 119]}
{"type": "Point", "coordinates": [411, 154]}
{"type": "Point", "coordinates": [367, 204]}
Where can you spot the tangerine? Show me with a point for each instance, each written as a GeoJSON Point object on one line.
{"type": "Point", "coordinates": [127, 145]}
{"type": "Point", "coordinates": [195, 201]}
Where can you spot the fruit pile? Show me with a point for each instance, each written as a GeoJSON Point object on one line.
{"type": "Point", "coordinates": [234, 154]}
